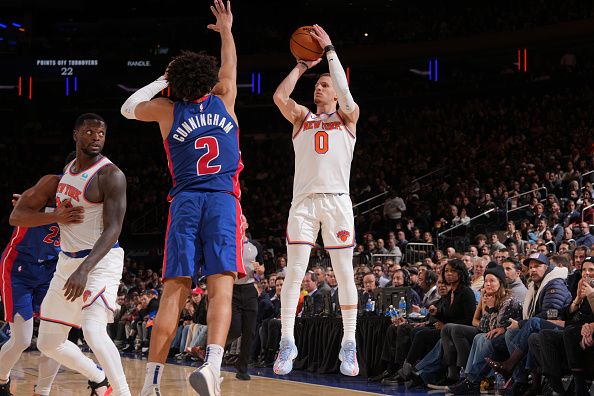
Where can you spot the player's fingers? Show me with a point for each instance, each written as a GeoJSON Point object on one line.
{"type": "Point", "coordinates": [228, 7]}
{"type": "Point", "coordinates": [219, 6]}
{"type": "Point", "coordinates": [212, 27]}
{"type": "Point", "coordinates": [214, 11]}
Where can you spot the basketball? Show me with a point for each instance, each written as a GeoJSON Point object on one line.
{"type": "Point", "coordinates": [304, 46]}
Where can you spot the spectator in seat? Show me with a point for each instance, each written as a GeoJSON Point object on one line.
{"type": "Point", "coordinates": [513, 271]}
{"type": "Point", "coordinates": [402, 279]}
{"type": "Point", "coordinates": [495, 244]}
{"type": "Point", "coordinates": [585, 238]}
{"type": "Point", "coordinates": [370, 283]}
{"type": "Point", "coordinates": [546, 291]}
{"type": "Point", "coordinates": [381, 249]}
{"type": "Point", "coordinates": [322, 278]}
{"type": "Point", "coordinates": [578, 256]}
{"type": "Point", "coordinates": [478, 271]}
{"type": "Point", "coordinates": [496, 307]}
{"type": "Point", "coordinates": [394, 250]}
{"type": "Point", "coordinates": [378, 272]}
{"type": "Point", "coordinates": [270, 329]}
{"type": "Point", "coordinates": [401, 241]}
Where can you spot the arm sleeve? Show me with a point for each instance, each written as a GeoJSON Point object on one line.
{"type": "Point", "coordinates": [144, 94]}
{"type": "Point", "coordinates": [339, 80]}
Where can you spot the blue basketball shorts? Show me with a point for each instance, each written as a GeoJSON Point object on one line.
{"type": "Point", "coordinates": [24, 285]}
{"type": "Point", "coordinates": [203, 235]}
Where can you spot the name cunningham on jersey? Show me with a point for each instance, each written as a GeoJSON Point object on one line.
{"type": "Point", "coordinates": [192, 123]}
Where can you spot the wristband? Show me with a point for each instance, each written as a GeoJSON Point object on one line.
{"type": "Point", "coordinates": [304, 64]}
{"type": "Point", "coordinates": [329, 48]}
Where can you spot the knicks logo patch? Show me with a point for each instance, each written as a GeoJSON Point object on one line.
{"type": "Point", "coordinates": [343, 235]}
{"type": "Point", "coordinates": [86, 295]}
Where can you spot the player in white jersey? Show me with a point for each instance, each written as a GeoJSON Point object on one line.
{"type": "Point", "coordinates": [84, 288]}
{"type": "Point", "coordinates": [323, 142]}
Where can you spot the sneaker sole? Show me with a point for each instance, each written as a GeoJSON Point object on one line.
{"type": "Point", "coordinates": [200, 384]}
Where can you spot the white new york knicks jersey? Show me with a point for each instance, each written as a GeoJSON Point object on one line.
{"type": "Point", "coordinates": [323, 154]}
{"type": "Point", "coordinates": [76, 237]}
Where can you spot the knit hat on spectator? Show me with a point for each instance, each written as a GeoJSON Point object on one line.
{"type": "Point", "coordinates": [589, 259]}
{"type": "Point", "coordinates": [497, 271]}
{"type": "Point", "coordinates": [154, 292]}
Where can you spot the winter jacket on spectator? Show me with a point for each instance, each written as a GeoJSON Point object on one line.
{"type": "Point", "coordinates": [551, 294]}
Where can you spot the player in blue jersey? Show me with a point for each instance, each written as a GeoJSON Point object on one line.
{"type": "Point", "coordinates": [27, 266]}
{"type": "Point", "coordinates": [201, 137]}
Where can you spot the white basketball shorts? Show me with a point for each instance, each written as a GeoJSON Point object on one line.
{"type": "Point", "coordinates": [99, 296]}
{"type": "Point", "coordinates": [332, 212]}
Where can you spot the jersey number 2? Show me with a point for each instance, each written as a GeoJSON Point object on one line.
{"type": "Point", "coordinates": [212, 151]}
{"type": "Point", "coordinates": [49, 238]}
{"type": "Point", "coordinates": [321, 142]}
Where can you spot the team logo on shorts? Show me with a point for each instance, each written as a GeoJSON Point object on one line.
{"type": "Point", "coordinates": [343, 235]}
{"type": "Point", "coordinates": [86, 295]}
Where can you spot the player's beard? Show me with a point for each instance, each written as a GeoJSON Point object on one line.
{"type": "Point", "coordinates": [90, 153]}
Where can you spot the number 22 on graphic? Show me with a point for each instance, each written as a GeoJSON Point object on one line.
{"type": "Point", "coordinates": [321, 142]}
{"type": "Point", "coordinates": [212, 151]}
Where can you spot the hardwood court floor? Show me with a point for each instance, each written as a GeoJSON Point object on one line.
{"type": "Point", "coordinates": [69, 383]}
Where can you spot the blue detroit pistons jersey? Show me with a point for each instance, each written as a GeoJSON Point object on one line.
{"type": "Point", "coordinates": [203, 148]}
{"type": "Point", "coordinates": [36, 244]}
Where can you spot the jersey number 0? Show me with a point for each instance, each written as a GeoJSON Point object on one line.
{"type": "Point", "coordinates": [321, 142]}
{"type": "Point", "coordinates": [203, 166]}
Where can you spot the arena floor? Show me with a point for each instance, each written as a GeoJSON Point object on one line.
{"type": "Point", "coordinates": [264, 382]}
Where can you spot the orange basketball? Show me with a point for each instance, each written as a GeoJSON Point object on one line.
{"type": "Point", "coordinates": [304, 46]}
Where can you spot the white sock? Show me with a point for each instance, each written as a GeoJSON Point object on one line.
{"type": "Point", "coordinates": [21, 332]}
{"type": "Point", "coordinates": [288, 324]}
{"type": "Point", "coordinates": [107, 354]}
{"type": "Point", "coordinates": [297, 260]}
{"type": "Point", "coordinates": [152, 379]}
{"type": "Point", "coordinates": [214, 356]}
{"type": "Point", "coordinates": [349, 323]}
{"type": "Point", "coordinates": [342, 262]}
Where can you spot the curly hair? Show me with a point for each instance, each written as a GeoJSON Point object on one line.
{"type": "Point", "coordinates": [192, 75]}
{"type": "Point", "coordinates": [458, 266]}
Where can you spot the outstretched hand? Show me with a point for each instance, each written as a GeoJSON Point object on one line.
{"type": "Point", "coordinates": [223, 15]}
{"type": "Point", "coordinates": [321, 35]}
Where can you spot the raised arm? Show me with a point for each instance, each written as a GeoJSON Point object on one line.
{"type": "Point", "coordinates": [112, 183]}
{"type": "Point", "coordinates": [282, 96]}
{"type": "Point", "coordinates": [142, 107]}
{"type": "Point", "coordinates": [226, 88]}
{"type": "Point", "coordinates": [348, 108]}
{"type": "Point", "coordinates": [27, 209]}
